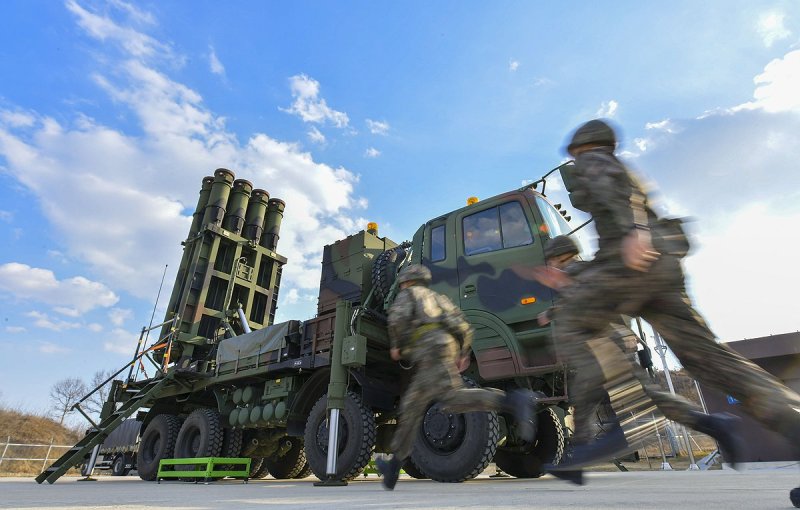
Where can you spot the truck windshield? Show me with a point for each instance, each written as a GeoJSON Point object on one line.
{"type": "Point", "coordinates": [556, 224]}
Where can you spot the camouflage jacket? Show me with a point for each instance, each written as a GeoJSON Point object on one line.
{"type": "Point", "coordinates": [602, 186]}
{"type": "Point", "coordinates": [418, 306]}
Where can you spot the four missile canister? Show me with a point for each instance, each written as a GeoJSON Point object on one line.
{"type": "Point", "coordinates": [237, 206]}
{"type": "Point", "coordinates": [256, 212]}
{"type": "Point", "coordinates": [218, 199]}
{"type": "Point", "coordinates": [272, 223]}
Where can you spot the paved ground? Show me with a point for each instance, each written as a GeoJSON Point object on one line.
{"type": "Point", "coordinates": [719, 489]}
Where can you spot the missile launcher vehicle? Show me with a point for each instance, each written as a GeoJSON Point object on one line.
{"type": "Point", "coordinates": [321, 395]}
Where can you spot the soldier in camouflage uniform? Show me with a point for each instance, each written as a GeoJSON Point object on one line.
{"type": "Point", "coordinates": [428, 330]}
{"type": "Point", "coordinates": [627, 390]}
{"type": "Point", "coordinates": [637, 271]}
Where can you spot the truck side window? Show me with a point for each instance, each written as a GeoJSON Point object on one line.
{"type": "Point", "coordinates": [500, 227]}
{"type": "Point", "coordinates": [482, 232]}
{"type": "Point", "coordinates": [515, 227]}
{"type": "Point", "coordinates": [438, 251]}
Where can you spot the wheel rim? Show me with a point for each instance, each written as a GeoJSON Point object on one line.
{"type": "Point", "coordinates": [444, 432]}
{"type": "Point", "coordinates": [323, 434]}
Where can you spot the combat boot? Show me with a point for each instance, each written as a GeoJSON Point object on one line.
{"type": "Point", "coordinates": [389, 470]}
{"type": "Point", "coordinates": [725, 428]}
{"type": "Point", "coordinates": [520, 403]}
{"type": "Point", "coordinates": [608, 446]}
{"type": "Point", "coordinates": [794, 496]}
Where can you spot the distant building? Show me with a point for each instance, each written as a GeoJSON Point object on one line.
{"type": "Point", "coordinates": [780, 356]}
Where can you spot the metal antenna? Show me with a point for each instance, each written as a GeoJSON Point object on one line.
{"type": "Point", "coordinates": [155, 305]}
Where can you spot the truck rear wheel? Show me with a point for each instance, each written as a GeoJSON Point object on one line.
{"type": "Point", "coordinates": [356, 438]}
{"type": "Point", "coordinates": [200, 436]}
{"type": "Point", "coordinates": [452, 447]}
{"type": "Point", "coordinates": [413, 471]}
{"type": "Point", "coordinates": [547, 448]}
{"type": "Point", "coordinates": [158, 442]}
{"type": "Point", "coordinates": [291, 463]}
{"type": "Point", "coordinates": [304, 473]}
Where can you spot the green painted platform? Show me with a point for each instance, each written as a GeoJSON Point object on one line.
{"type": "Point", "coordinates": [204, 468]}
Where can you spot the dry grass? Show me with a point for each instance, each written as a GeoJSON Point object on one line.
{"type": "Point", "coordinates": [27, 428]}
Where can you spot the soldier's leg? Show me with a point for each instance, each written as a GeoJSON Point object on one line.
{"type": "Point", "coordinates": [717, 366]}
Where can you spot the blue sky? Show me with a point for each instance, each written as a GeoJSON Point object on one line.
{"type": "Point", "coordinates": [112, 112]}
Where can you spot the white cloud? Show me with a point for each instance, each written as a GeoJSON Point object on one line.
{"type": "Point", "coordinates": [372, 152]}
{"type": "Point", "coordinates": [309, 106]}
{"type": "Point", "coordinates": [17, 119]}
{"type": "Point", "coordinates": [540, 82]}
{"type": "Point", "coordinates": [315, 135]}
{"type": "Point", "coordinates": [771, 28]}
{"type": "Point", "coordinates": [6, 216]}
{"type": "Point", "coordinates": [292, 297]}
{"type": "Point", "coordinates": [51, 348]}
{"type": "Point", "coordinates": [94, 327]}
{"type": "Point", "coordinates": [136, 219]}
{"type": "Point", "coordinates": [104, 29]}
{"type": "Point", "coordinates": [608, 109]}
{"type": "Point", "coordinates": [15, 329]}
{"type": "Point", "coordinates": [118, 316]}
{"type": "Point", "coordinates": [214, 63]}
{"type": "Point", "coordinates": [378, 127]}
{"type": "Point", "coordinates": [42, 320]}
{"type": "Point", "coordinates": [776, 88]}
{"type": "Point", "coordinates": [663, 125]}
{"type": "Point", "coordinates": [513, 65]}
{"type": "Point", "coordinates": [71, 296]}
{"type": "Point", "coordinates": [121, 342]}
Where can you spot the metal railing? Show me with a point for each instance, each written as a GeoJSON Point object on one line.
{"type": "Point", "coordinates": [44, 460]}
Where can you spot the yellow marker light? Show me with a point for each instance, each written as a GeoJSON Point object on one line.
{"type": "Point", "coordinates": [527, 300]}
{"type": "Point", "coordinates": [543, 229]}
{"type": "Point", "coordinates": [472, 200]}
{"type": "Point", "coordinates": [372, 227]}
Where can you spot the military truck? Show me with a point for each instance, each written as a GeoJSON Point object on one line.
{"type": "Point", "coordinates": [321, 395]}
{"type": "Point", "coordinates": [117, 453]}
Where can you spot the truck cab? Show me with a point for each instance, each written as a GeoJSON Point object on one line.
{"type": "Point", "coordinates": [481, 257]}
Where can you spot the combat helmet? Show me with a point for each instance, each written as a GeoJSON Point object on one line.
{"type": "Point", "coordinates": [560, 245]}
{"type": "Point", "coordinates": [415, 272]}
{"type": "Point", "coordinates": [593, 132]}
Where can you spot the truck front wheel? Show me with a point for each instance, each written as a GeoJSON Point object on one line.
{"type": "Point", "coordinates": [356, 438]}
{"type": "Point", "coordinates": [547, 448]}
{"type": "Point", "coordinates": [291, 463]}
{"type": "Point", "coordinates": [118, 466]}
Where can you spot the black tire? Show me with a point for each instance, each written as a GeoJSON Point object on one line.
{"type": "Point", "coordinates": [413, 471]}
{"type": "Point", "coordinates": [258, 468]}
{"type": "Point", "coordinates": [291, 463]}
{"type": "Point", "coordinates": [201, 435]}
{"type": "Point", "coordinates": [453, 447]}
{"type": "Point", "coordinates": [118, 466]}
{"type": "Point", "coordinates": [356, 438]}
{"type": "Point", "coordinates": [85, 469]}
{"type": "Point", "coordinates": [547, 448]}
{"type": "Point", "coordinates": [304, 473]}
{"type": "Point", "coordinates": [232, 441]}
{"type": "Point", "coordinates": [384, 270]}
{"type": "Point", "coordinates": [158, 442]}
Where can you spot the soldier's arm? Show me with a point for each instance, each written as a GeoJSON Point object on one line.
{"type": "Point", "coordinates": [453, 319]}
{"type": "Point", "coordinates": [400, 315]}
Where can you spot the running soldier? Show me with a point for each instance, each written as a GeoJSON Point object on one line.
{"type": "Point", "coordinates": [428, 330]}
{"type": "Point", "coordinates": [637, 271]}
{"type": "Point", "coordinates": [628, 388]}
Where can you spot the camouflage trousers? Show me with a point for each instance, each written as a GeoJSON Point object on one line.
{"type": "Point", "coordinates": [605, 290]}
{"type": "Point", "coordinates": [436, 378]}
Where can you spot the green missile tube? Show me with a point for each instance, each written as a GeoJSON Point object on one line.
{"type": "Point", "coordinates": [218, 199]}
{"type": "Point", "coordinates": [199, 211]}
{"type": "Point", "coordinates": [237, 206]}
{"type": "Point", "coordinates": [256, 212]}
{"type": "Point", "coordinates": [272, 223]}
